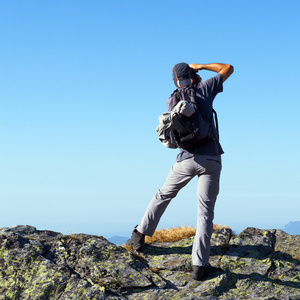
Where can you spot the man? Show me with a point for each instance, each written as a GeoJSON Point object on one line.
{"type": "Point", "coordinates": [204, 161]}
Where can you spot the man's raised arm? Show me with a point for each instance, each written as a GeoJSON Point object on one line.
{"type": "Point", "coordinates": [224, 69]}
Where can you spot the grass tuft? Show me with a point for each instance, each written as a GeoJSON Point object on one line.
{"type": "Point", "coordinates": [128, 247]}
{"type": "Point", "coordinates": [175, 234]}
{"type": "Point", "coordinates": [217, 226]}
{"type": "Point", "coordinates": [171, 235]}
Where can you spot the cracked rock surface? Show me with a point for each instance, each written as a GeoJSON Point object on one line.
{"type": "Point", "coordinates": [41, 264]}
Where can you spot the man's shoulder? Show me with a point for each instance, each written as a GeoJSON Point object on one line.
{"type": "Point", "coordinates": [211, 87]}
{"type": "Point", "coordinates": [216, 79]}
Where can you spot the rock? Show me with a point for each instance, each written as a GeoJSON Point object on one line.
{"type": "Point", "coordinates": [288, 244]}
{"type": "Point", "coordinates": [247, 252]}
{"type": "Point", "coordinates": [42, 264]}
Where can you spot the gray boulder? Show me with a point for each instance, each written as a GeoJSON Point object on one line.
{"type": "Point", "coordinates": [255, 264]}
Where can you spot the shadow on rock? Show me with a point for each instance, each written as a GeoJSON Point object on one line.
{"type": "Point", "coordinates": [157, 250]}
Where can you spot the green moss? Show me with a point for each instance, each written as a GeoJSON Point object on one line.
{"type": "Point", "coordinates": [3, 252]}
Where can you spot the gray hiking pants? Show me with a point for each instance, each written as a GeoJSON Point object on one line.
{"type": "Point", "coordinates": [208, 169]}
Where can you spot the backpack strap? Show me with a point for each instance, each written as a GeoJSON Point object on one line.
{"type": "Point", "coordinates": [190, 91]}
{"type": "Point", "coordinates": [184, 94]}
{"type": "Point", "coordinates": [216, 121]}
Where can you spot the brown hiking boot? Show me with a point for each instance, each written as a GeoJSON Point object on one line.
{"type": "Point", "coordinates": [200, 271]}
{"type": "Point", "coordinates": [137, 241]}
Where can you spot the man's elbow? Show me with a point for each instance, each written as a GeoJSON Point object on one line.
{"type": "Point", "coordinates": [228, 70]}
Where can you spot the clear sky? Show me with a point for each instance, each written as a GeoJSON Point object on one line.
{"type": "Point", "coordinates": [82, 84]}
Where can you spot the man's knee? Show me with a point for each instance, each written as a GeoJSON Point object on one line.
{"type": "Point", "coordinates": [165, 195]}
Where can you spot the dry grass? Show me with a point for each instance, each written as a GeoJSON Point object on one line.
{"type": "Point", "coordinates": [175, 234]}
{"type": "Point", "coordinates": [127, 247]}
{"type": "Point", "coordinates": [217, 226]}
{"type": "Point", "coordinates": [169, 235]}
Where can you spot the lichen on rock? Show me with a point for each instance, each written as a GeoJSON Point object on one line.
{"type": "Point", "coordinates": [255, 264]}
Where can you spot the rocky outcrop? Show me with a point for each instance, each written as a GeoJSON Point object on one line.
{"type": "Point", "coordinates": [255, 264]}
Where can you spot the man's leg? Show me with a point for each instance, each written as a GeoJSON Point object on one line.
{"type": "Point", "coordinates": [207, 191]}
{"type": "Point", "coordinates": [180, 174]}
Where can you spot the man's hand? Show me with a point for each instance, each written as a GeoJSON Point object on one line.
{"type": "Point", "coordinates": [224, 69]}
{"type": "Point", "coordinates": [196, 67]}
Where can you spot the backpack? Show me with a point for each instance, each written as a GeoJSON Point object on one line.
{"type": "Point", "coordinates": [184, 126]}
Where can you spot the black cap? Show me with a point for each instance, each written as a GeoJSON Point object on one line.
{"type": "Point", "coordinates": [182, 75]}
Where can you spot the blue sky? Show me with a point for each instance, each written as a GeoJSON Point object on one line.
{"type": "Point", "coordinates": [82, 84]}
